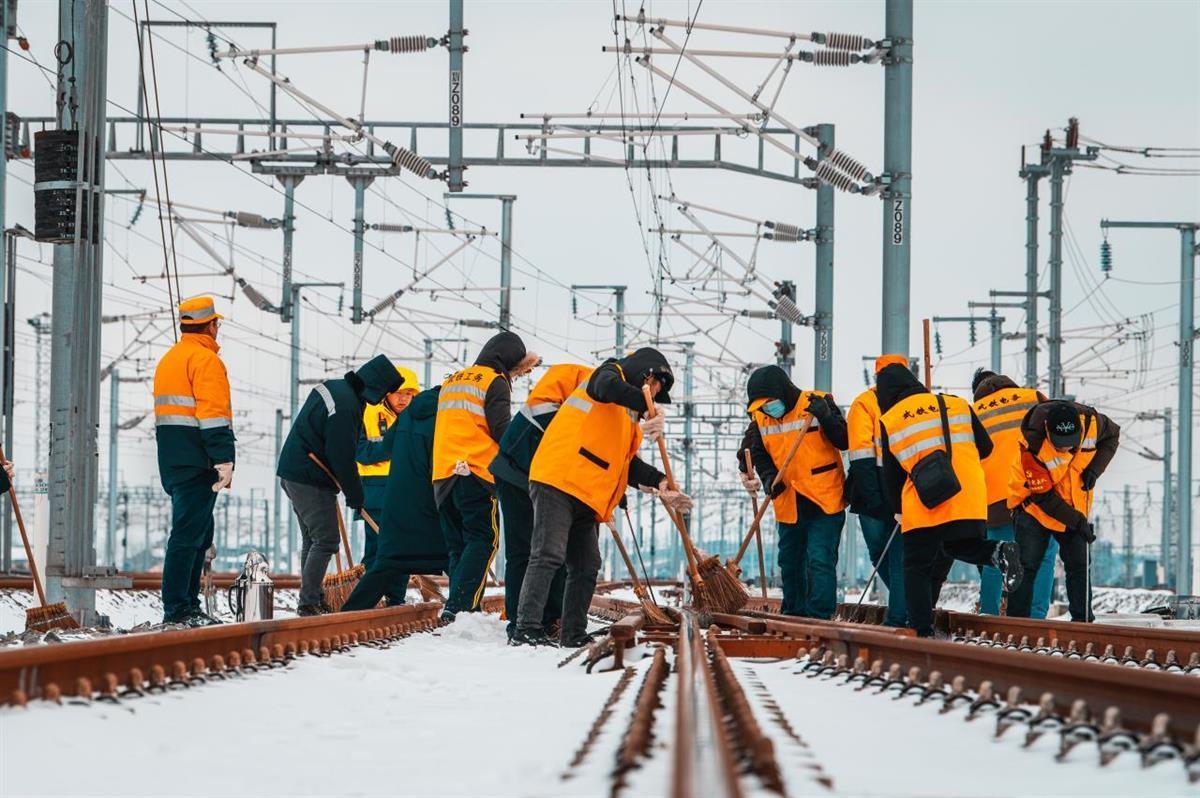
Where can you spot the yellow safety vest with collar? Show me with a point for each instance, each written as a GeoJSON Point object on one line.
{"type": "Point", "coordinates": [549, 392]}
{"type": "Point", "coordinates": [586, 451]}
{"type": "Point", "coordinates": [1001, 414]}
{"type": "Point", "coordinates": [816, 470]}
{"type": "Point", "coordinates": [914, 430]}
{"type": "Point", "coordinates": [862, 428]}
{"type": "Point", "coordinates": [376, 421]}
{"type": "Point", "coordinates": [1066, 475]}
{"type": "Point", "coordinates": [461, 432]}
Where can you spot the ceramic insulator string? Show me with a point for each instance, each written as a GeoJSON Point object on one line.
{"type": "Point", "coordinates": [781, 231]}
{"type": "Point", "coordinates": [849, 165]}
{"type": "Point", "coordinates": [405, 44]}
{"type": "Point", "coordinates": [828, 173]}
{"type": "Point", "coordinates": [846, 41]}
{"type": "Point", "coordinates": [407, 159]}
{"type": "Point", "coordinates": [839, 58]}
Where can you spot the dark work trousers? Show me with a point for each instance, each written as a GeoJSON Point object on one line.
{"type": "Point", "coordinates": [316, 511]}
{"type": "Point", "coordinates": [564, 531]}
{"type": "Point", "coordinates": [192, 505]}
{"type": "Point", "coordinates": [470, 527]}
{"type": "Point", "coordinates": [808, 555]}
{"type": "Point", "coordinates": [923, 549]}
{"type": "Point", "coordinates": [395, 592]}
{"type": "Point", "coordinates": [384, 577]}
{"type": "Point", "coordinates": [877, 532]}
{"type": "Point", "coordinates": [1033, 538]}
{"type": "Point", "coordinates": [516, 509]}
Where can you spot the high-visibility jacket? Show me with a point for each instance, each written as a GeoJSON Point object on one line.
{"type": "Point", "coordinates": [815, 471]}
{"type": "Point", "coordinates": [914, 430]}
{"type": "Point", "coordinates": [586, 452]}
{"type": "Point", "coordinates": [461, 431]}
{"type": "Point", "coordinates": [1066, 475]}
{"type": "Point", "coordinates": [193, 418]}
{"type": "Point", "coordinates": [862, 428]}
{"type": "Point", "coordinates": [1001, 414]}
{"type": "Point", "coordinates": [521, 439]}
{"type": "Point", "coordinates": [548, 394]}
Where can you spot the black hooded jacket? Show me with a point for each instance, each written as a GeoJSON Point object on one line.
{"type": "Point", "coordinates": [328, 425]}
{"type": "Point", "coordinates": [608, 385]}
{"type": "Point", "coordinates": [894, 384]}
{"type": "Point", "coordinates": [772, 382]}
{"type": "Point", "coordinates": [502, 352]}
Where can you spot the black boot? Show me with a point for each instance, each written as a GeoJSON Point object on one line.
{"type": "Point", "coordinates": [520, 637]}
{"type": "Point", "coordinates": [308, 610]}
{"type": "Point", "coordinates": [1007, 560]}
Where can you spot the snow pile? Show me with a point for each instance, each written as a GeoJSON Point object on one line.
{"type": "Point", "coordinates": [475, 627]}
{"type": "Point", "coordinates": [1127, 600]}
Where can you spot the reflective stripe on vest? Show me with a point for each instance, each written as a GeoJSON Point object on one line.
{"type": "Point", "coordinates": [461, 433]}
{"type": "Point", "coordinates": [326, 397]}
{"type": "Point", "coordinates": [1002, 413]}
{"type": "Point", "coordinates": [816, 469]}
{"type": "Point", "coordinates": [862, 428]}
{"type": "Point", "coordinates": [179, 401]}
{"type": "Point", "coordinates": [1066, 474]}
{"type": "Point", "coordinates": [376, 420]}
{"type": "Point", "coordinates": [176, 421]}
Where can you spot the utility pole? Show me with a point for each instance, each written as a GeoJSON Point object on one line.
{"type": "Point", "coordinates": [454, 167]}
{"type": "Point", "coordinates": [8, 286]}
{"type": "Point", "coordinates": [897, 172]}
{"type": "Point", "coordinates": [1165, 533]}
{"type": "Point", "coordinates": [993, 321]}
{"type": "Point", "coordinates": [785, 351]}
{"type": "Point", "coordinates": [1187, 334]}
{"type": "Point", "coordinates": [360, 183]}
{"type": "Point", "coordinates": [618, 292]}
{"type": "Point", "coordinates": [114, 428]}
{"type": "Point", "coordinates": [823, 295]}
{"type": "Point", "coordinates": [689, 411]}
{"type": "Point", "coordinates": [289, 181]}
{"type": "Point", "coordinates": [506, 208]}
{"type": "Point", "coordinates": [429, 342]}
{"type": "Point", "coordinates": [1127, 579]}
{"type": "Point", "coordinates": [1031, 173]}
{"type": "Point", "coordinates": [276, 523]}
{"type": "Point", "coordinates": [41, 328]}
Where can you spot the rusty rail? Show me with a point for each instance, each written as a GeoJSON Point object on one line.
{"type": "Point", "coordinates": [1139, 693]}
{"type": "Point", "coordinates": [152, 580]}
{"type": "Point", "coordinates": [139, 661]}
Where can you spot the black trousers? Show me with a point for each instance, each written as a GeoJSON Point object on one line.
{"type": "Point", "coordinates": [384, 577]}
{"type": "Point", "coordinates": [396, 591]}
{"type": "Point", "coordinates": [516, 510]}
{"type": "Point", "coordinates": [925, 555]}
{"type": "Point", "coordinates": [1033, 538]}
{"type": "Point", "coordinates": [471, 530]}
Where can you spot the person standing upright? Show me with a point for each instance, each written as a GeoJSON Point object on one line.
{"type": "Point", "coordinates": [864, 488]}
{"type": "Point", "coordinates": [473, 413]}
{"type": "Point", "coordinates": [932, 447]}
{"type": "Point", "coordinates": [809, 501]}
{"type": "Point", "coordinates": [193, 431]}
{"type": "Point", "coordinates": [327, 427]}
{"type": "Point", "coordinates": [374, 455]}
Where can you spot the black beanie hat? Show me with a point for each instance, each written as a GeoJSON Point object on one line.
{"type": "Point", "coordinates": [981, 374]}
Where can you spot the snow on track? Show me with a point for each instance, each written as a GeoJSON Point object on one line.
{"type": "Point", "coordinates": [455, 712]}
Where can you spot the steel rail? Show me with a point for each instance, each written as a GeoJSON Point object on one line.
{"type": "Point", "coordinates": [1139, 693]}
{"type": "Point", "coordinates": [150, 580]}
{"type": "Point", "coordinates": [157, 659]}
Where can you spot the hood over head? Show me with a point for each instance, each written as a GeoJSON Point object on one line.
{"type": "Point", "coordinates": [772, 382]}
{"type": "Point", "coordinates": [883, 361]}
{"type": "Point", "coordinates": [378, 377]}
{"type": "Point", "coordinates": [986, 383]}
{"type": "Point", "coordinates": [644, 362]}
{"type": "Point", "coordinates": [894, 384]}
{"type": "Point", "coordinates": [502, 352]}
{"type": "Point", "coordinates": [424, 404]}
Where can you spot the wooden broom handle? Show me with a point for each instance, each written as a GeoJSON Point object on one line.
{"type": "Point", "coordinates": [345, 537]}
{"type": "Point", "coordinates": [33, 571]}
{"type": "Point", "coordinates": [762, 509]}
{"type": "Point", "coordinates": [637, 585]}
{"type": "Point", "coordinates": [688, 547]}
{"type": "Point", "coordinates": [762, 565]}
{"type": "Point", "coordinates": [341, 522]}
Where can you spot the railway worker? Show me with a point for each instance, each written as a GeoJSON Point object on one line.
{"type": "Point", "coordinates": [808, 501]}
{"type": "Point", "coordinates": [7, 474]}
{"type": "Point", "coordinates": [1000, 405]}
{"type": "Point", "coordinates": [1065, 448]}
{"type": "Point", "coordinates": [932, 447]}
{"type": "Point", "coordinates": [510, 467]}
{"type": "Point", "coordinates": [578, 476]}
{"type": "Point", "coordinates": [373, 454]}
{"type": "Point", "coordinates": [193, 430]}
{"type": "Point", "coordinates": [326, 427]}
{"type": "Point", "coordinates": [410, 540]}
{"type": "Point", "coordinates": [473, 413]}
{"type": "Point", "coordinates": [864, 488]}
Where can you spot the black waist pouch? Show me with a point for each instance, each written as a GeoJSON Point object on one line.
{"type": "Point", "coordinates": [933, 476]}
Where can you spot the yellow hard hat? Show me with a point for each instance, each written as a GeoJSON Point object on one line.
{"type": "Point", "coordinates": [198, 310]}
{"type": "Point", "coordinates": [411, 383]}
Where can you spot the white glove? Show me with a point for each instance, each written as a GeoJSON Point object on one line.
{"type": "Point", "coordinates": [10, 470]}
{"type": "Point", "coordinates": [675, 500]}
{"type": "Point", "coordinates": [750, 482]}
{"type": "Point", "coordinates": [652, 428]}
{"type": "Point", "coordinates": [462, 469]}
{"type": "Point", "coordinates": [224, 476]}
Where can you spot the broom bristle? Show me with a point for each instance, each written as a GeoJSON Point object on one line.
{"type": "Point", "coordinates": [723, 592]}
{"type": "Point", "coordinates": [652, 612]}
{"type": "Point", "coordinates": [339, 585]}
{"type": "Point", "coordinates": [52, 616]}
{"type": "Point", "coordinates": [429, 589]}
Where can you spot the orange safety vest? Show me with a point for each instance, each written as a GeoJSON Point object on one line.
{"type": "Point", "coordinates": [862, 428]}
{"type": "Point", "coordinates": [548, 393]}
{"type": "Point", "coordinates": [1001, 413]}
{"type": "Point", "coordinates": [191, 387]}
{"type": "Point", "coordinates": [1065, 474]}
{"type": "Point", "coordinates": [461, 431]}
{"type": "Point", "coordinates": [376, 421]}
{"type": "Point", "coordinates": [587, 450]}
{"type": "Point", "coordinates": [914, 430]}
{"type": "Point", "coordinates": [816, 470]}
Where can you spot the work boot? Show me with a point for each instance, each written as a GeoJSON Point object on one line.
{"type": "Point", "coordinates": [198, 619]}
{"type": "Point", "coordinates": [308, 610]}
{"type": "Point", "coordinates": [1007, 560]}
{"type": "Point", "coordinates": [535, 638]}
{"type": "Point", "coordinates": [447, 616]}
{"type": "Point", "coordinates": [581, 640]}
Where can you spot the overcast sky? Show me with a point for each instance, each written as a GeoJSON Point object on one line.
{"type": "Point", "coordinates": [988, 78]}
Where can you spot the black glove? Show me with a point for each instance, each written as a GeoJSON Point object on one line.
{"type": "Point", "coordinates": [1088, 531]}
{"type": "Point", "coordinates": [1089, 478]}
{"type": "Point", "coordinates": [775, 490]}
{"type": "Point", "coordinates": [818, 407]}
{"type": "Point", "coordinates": [624, 502]}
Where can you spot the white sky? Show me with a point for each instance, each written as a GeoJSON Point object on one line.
{"type": "Point", "coordinates": [987, 79]}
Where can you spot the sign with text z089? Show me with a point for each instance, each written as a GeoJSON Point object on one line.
{"type": "Point", "coordinates": [897, 235]}
{"type": "Point", "coordinates": [455, 98]}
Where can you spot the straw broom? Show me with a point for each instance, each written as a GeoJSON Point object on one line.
{"type": "Point", "coordinates": [654, 615]}
{"type": "Point", "coordinates": [341, 583]}
{"type": "Point", "coordinates": [715, 588]}
{"type": "Point", "coordinates": [762, 565]}
{"type": "Point", "coordinates": [47, 616]}
{"type": "Point", "coordinates": [429, 589]}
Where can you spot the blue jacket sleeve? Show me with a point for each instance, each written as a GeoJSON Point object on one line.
{"type": "Point", "coordinates": [369, 452]}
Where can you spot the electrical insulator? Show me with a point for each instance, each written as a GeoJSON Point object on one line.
{"type": "Point", "coordinates": [255, 296]}
{"type": "Point", "coordinates": [846, 41]}
{"type": "Point", "coordinates": [574, 305]}
{"type": "Point", "coordinates": [392, 228]}
{"type": "Point", "coordinates": [828, 173]}
{"type": "Point", "coordinates": [971, 332]}
{"type": "Point", "coordinates": [247, 219]}
{"type": "Point", "coordinates": [839, 58]}
{"type": "Point", "coordinates": [849, 165]}
{"type": "Point", "coordinates": [1105, 257]}
{"type": "Point", "coordinates": [937, 342]}
{"type": "Point", "coordinates": [407, 159]}
{"type": "Point", "coordinates": [782, 231]}
{"type": "Point", "coordinates": [866, 377]}
{"type": "Point", "coordinates": [1072, 133]}
{"type": "Point", "coordinates": [211, 40]}
{"type": "Point", "coordinates": [414, 43]}
{"type": "Point", "coordinates": [786, 309]}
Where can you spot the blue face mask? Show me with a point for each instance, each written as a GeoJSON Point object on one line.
{"type": "Point", "coordinates": [775, 408]}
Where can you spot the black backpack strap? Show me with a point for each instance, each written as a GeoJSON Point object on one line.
{"type": "Point", "coordinates": [945, 426]}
